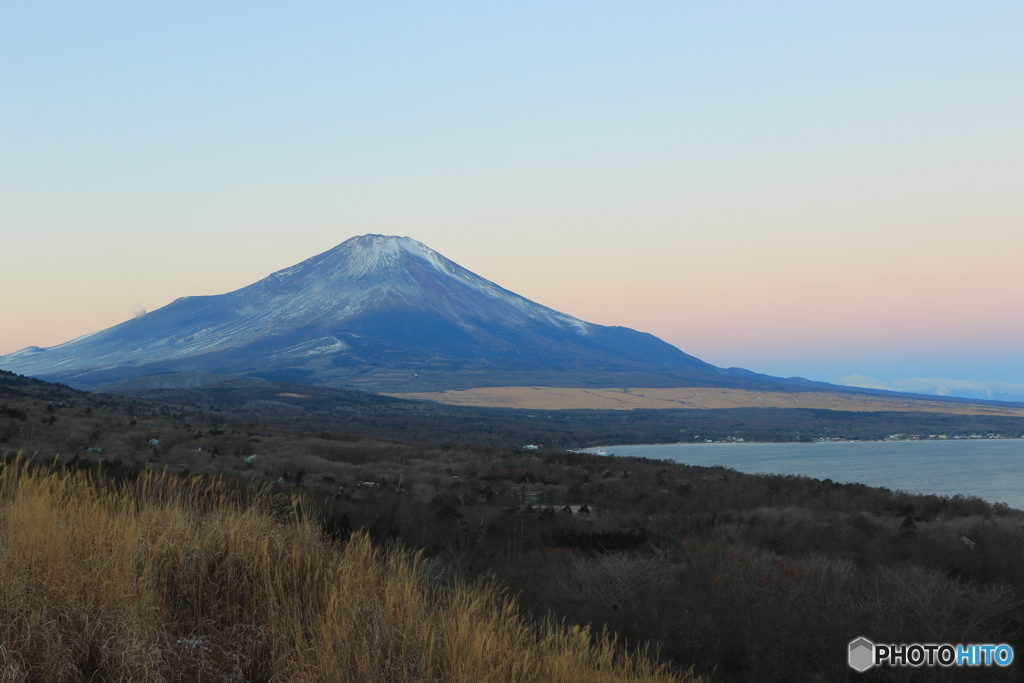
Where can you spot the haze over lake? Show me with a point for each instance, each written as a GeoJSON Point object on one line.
{"type": "Point", "coordinates": [991, 469]}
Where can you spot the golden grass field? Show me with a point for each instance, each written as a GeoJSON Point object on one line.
{"type": "Point", "coordinates": [569, 398]}
{"type": "Point", "coordinates": [169, 578]}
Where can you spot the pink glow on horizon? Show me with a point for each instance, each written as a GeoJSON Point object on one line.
{"type": "Point", "coordinates": [815, 190]}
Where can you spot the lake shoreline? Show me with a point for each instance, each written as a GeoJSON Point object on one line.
{"type": "Point", "coordinates": [991, 469]}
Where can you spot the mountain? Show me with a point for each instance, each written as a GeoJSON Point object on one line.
{"type": "Point", "coordinates": [379, 312]}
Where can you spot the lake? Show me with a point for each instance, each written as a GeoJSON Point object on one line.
{"type": "Point", "coordinates": [991, 469]}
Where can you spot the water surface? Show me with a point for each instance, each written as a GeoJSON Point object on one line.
{"type": "Point", "coordinates": [991, 469]}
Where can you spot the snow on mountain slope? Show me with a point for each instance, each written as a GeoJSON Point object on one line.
{"type": "Point", "coordinates": [373, 301]}
{"type": "Point", "coordinates": [373, 269]}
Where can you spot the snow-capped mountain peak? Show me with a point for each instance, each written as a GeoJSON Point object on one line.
{"type": "Point", "coordinates": [367, 270]}
{"type": "Point", "coordinates": [372, 301]}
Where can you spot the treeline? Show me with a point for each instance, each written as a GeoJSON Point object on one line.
{"type": "Point", "coordinates": [381, 417]}
{"type": "Point", "coordinates": [268, 406]}
{"type": "Point", "coordinates": [747, 578]}
{"type": "Point", "coordinates": [158, 578]}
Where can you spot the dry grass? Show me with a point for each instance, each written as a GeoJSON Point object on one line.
{"type": "Point", "coordinates": [175, 579]}
{"type": "Point", "coordinates": [570, 398]}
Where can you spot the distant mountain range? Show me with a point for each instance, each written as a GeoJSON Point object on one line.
{"type": "Point", "coordinates": [378, 312]}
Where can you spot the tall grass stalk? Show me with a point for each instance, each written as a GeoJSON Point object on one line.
{"type": "Point", "coordinates": [167, 578]}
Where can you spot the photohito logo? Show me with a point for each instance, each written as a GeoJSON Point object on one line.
{"type": "Point", "coordinates": [863, 654]}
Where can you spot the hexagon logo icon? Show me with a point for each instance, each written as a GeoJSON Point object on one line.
{"type": "Point", "coordinates": [862, 654]}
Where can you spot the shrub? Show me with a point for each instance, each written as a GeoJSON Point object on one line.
{"type": "Point", "coordinates": [174, 579]}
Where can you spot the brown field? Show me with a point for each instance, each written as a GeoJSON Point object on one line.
{"type": "Point", "coordinates": [570, 398]}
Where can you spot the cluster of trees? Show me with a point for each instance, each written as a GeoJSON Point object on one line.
{"type": "Point", "coordinates": [320, 408]}
{"type": "Point", "coordinates": [746, 578]}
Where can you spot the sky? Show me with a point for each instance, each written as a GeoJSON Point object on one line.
{"type": "Point", "coordinates": [825, 190]}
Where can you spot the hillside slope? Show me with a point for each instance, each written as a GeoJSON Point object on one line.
{"type": "Point", "coordinates": [374, 310]}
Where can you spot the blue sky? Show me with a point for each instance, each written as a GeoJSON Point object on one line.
{"type": "Point", "coordinates": [820, 189]}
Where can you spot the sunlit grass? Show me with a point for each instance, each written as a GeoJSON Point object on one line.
{"type": "Point", "coordinates": [169, 578]}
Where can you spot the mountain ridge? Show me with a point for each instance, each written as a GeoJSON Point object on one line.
{"type": "Point", "coordinates": [371, 308]}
